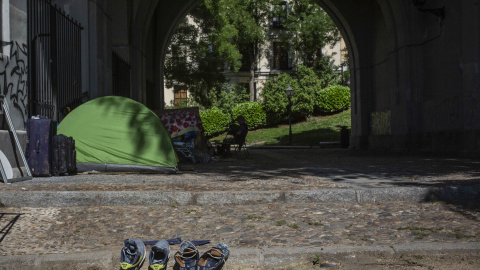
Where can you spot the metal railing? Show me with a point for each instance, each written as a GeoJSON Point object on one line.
{"type": "Point", "coordinates": [120, 76]}
{"type": "Point", "coordinates": [54, 46]}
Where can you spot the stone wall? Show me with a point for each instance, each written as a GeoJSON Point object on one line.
{"type": "Point", "coordinates": [13, 64]}
{"type": "Point", "coordinates": [13, 77]}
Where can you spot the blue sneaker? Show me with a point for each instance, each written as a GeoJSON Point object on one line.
{"type": "Point", "coordinates": [159, 255]}
{"type": "Point", "coordinates": [133, 254]}
{"type": "Point", "coordinates": [215, 258]}
{"type": "Point", "coordinates": [186, 258]}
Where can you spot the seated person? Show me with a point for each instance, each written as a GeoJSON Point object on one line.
{"type": "Point", "coordinates": [238, 135]}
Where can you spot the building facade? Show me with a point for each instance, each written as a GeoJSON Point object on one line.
{"type": "Point", "coordinates": [274, 59]}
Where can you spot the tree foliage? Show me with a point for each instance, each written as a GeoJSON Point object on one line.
{"type": "Point", "coordinates": [228, 97]}
{"type": "Point", "coordinates": [303, 102]}
{"type": "Point", "coordinates": [191, 60]}
{"type": "Point", "coordinates": [233, 34]}
{"type": "Point", "coordinates": [312, 30]}
{"type": "Point", "coordinates": [310, 96]}
{"type": "Point", "coordinates": [275, 100]}
{"type": "Point", "coordinates": [240, 31]}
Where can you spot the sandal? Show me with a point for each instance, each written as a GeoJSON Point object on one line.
{"type": "Point", "coordinates": [186, 258]}
{"type": "Point", "coordinates": [215, 258]}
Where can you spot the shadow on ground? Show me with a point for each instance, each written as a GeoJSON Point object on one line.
{"type": "Point", "coordinates": [351, 167]}
{"type": "Point", "coordinates": [7, 221]}
{"type": "Point", "coordinates": [361, 169]}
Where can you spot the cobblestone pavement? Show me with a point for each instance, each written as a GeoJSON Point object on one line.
{"type": "Point", "coordinates": [80, 229]}
{"type": "Point", "coordinates": [283, 169]}
{"type": "Point", "coordinates": [90, 229]}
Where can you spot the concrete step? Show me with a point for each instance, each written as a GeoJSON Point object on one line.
{"type": "Point", "coordinates": [147, 198]}
{"type": "Point", "coordinates": [449, 256]}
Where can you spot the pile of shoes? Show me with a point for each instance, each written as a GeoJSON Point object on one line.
{"type": "Point", "coordinates": [187, 258]}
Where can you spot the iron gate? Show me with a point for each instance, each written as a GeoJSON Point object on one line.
{"type": "Point", "coordinates": [54, 44]}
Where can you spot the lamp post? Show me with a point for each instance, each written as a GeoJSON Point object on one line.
{"type": "Point", "coordinates": [290, 93]}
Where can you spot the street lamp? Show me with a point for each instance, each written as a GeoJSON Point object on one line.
{"type": "Point", "coordinates": [290, 93]}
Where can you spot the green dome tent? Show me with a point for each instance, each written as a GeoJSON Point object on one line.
{"type": "Point", "coordinates": [118, 134]}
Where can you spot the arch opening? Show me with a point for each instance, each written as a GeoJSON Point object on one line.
{"type": "Point", "coordinates": [369, 30]}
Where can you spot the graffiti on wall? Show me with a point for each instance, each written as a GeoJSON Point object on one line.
{"type": "Point", "coordinates": [472, 113]}
{"type": "Point", "coordinates": [13, 75]}
{"type": "Point", "coordinates": [380, 123]}
{"type": "Point", "coordinates": [455, 113]}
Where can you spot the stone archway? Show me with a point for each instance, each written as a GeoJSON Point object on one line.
{"type": "Point", "coordinates": [363, 24]}
{"type": "Point", "coordinates": [383, 46]}
{"type": "Point", "coordinates": [360, 23]}
{"type": "Point", "coordinates": [394, 78]}
{"type": "Point", "coordinates": [143, 18]}
{"type": "Point", "coordinates": [371, 30]}
{"type": "Point", "coordinates": [160, 18]}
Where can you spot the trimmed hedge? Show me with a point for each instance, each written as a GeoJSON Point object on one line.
{"type": "Point", "coordinates": [253, 112]}
{"type": "Point", "coordinates": [332, 99]}
{"type": "Point", "coordinates": [215, 121]}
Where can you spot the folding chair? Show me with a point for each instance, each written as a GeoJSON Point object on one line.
{"type": "Point", "coordinates": [182, 148]}
{"type": "Point", "coordinates": [184, 143]}
{"type": "Point", "coordinates": [239, 147]}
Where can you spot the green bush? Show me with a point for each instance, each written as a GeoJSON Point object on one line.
{"type": "Point", "coordinates": [215, 121]}
{"type": "Point", "coordinates": [275, 101]}
{"type": "Point", "coordinates": [253, 112]}
{"type": "Point", "coordinates": [228, 96]}
{"type": "Point", "coordinates": [332, 99]}
{"type": "Point", "coordinates": [326, 72]}
{"type": "Point", "coordinates": [303, 99]}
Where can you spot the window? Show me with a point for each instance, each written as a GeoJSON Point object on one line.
{"type": "Point", "coordinates": [280, 12]}
{"type": "Point", "coordinates": [180, 95]}
{"type": "Point", "coordinates": [246, 62]}
{"type": "Point", "coordinates": [180, 53]}
{"type": "Point", "coordinates": [280, 56]}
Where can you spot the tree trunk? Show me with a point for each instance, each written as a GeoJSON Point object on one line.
{"type": "Point", "coordinates": [251, 84]}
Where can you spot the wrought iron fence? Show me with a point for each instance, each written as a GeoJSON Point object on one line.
{"type": "Point", "coordinates": [120, 76]}
{"type": "Point", "coordinates": [54, 45]}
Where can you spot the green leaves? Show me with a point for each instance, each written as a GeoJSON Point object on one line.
{"type": "Point", "coordinates": [314, 30]}
{"type": "Point", "coordinates": [332, 99]}
{"type": "Point", "coordinates": [309, 96]}
{"type": "Point", "coordinates": [235, 33]}
{"type": "Point", "coordinates": [214, 121]}
{"type": "Point", "coordinates": [275, 101]}
{"type": "Point", "coordinates": [253, 112]}
{"type": "Point", "coordinates": [228, 97]}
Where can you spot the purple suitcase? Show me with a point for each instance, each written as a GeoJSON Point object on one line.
{"type": "Point", "coordinates": [63, 155]}
{"type": "Point", "coordinates": [40, 133]}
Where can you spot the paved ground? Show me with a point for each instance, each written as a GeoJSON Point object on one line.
{"type": "Point", "coordinates": [260, 234]}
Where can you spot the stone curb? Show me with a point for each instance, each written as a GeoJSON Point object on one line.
{"type": "Point", "coordinates": [120, 198]}
{"type": "Point", "coordinates": [241, 256]}
{"type": "Point", "coordinates": [296, 147]}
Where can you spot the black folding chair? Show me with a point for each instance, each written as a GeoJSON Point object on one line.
{"type": "Point", "coordinates": [240, 147]}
